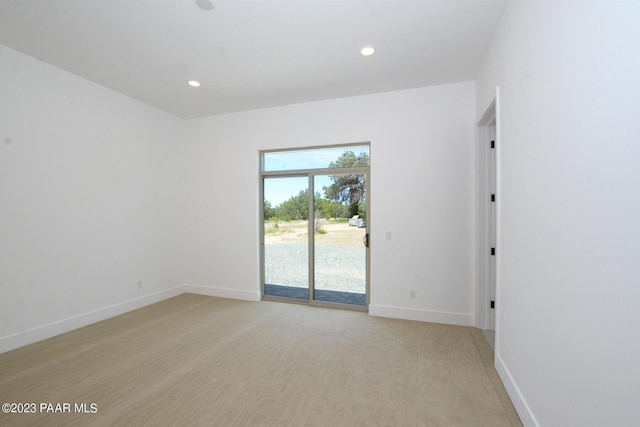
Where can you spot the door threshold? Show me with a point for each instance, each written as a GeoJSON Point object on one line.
{"type": "Point", "coordinates": [325, 298]}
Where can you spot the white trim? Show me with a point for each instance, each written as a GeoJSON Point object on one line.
{"type": "Point", "coordinates": [213, 291]}
{"type": "Point", "coordinates": [459, 319]}
{"type": "Point", "coordinates": [52, 329]}
{"type": "Point", "coordinates": [519, 402]}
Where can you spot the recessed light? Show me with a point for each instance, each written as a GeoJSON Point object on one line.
{"type": "Point", "coordinates": [204, 4]}
{"type": "Point", "coordinates": [367, 51]}
{"type": "Point", "coordinates": [194, 83]}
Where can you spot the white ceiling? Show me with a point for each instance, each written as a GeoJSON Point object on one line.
{"type": "Point", "coordinates": [253, 53]}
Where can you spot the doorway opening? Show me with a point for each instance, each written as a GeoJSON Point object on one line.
{"type": "Point", "coordinates": [314, 227]}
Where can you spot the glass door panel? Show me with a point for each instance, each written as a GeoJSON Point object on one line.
{"type": "Point", "coordinates": [286, 237]}
{"type": "Point", "coordinates": [340, 231]}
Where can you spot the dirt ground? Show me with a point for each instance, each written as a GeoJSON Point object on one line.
{"type": "Point", "coordinates": [338, 234]}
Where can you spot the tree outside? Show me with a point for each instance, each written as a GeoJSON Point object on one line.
{"type": "Point", "coordinates": [344, 198]}
{"type": "Point", "coordinates": [349, 189]}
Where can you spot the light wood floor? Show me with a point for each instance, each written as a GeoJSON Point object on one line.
{"type": "Point", "coordinates": [195, 360]}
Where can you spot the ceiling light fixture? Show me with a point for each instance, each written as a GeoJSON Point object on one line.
{"type": "Point", "coordinates": [204, 4]}
{"type": "Point", "coordinates": [367, 51]}
{"type": "Point", "coordinates": [194, 83]}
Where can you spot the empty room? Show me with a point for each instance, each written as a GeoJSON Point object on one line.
{"type": "Point", "coordinates": [319, 213]}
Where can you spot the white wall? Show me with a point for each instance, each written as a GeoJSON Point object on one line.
{"type": "Point", "coordinates": [568, 336]}
{"type": "Point", "coordinates": [422, 186]}
{"type": "Point", "coordinates": [90, 186]}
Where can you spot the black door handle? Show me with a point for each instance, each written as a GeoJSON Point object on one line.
{"type": "Point", "coordinates": [365, 240]}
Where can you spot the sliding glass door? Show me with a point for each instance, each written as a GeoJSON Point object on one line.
{"type": "Point", "coordinates": [314, 229]}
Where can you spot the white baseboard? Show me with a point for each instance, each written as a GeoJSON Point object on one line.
{"type": "Point", "coordinates": [40, 333]}
{"type": "Point", "coordinates": [459, 319]}
{"type": "Point", "coordinates": [60, 327]}
{"type": "Point", "coordinates": [523, 410]}
{"type": "Point", "coordinates": [222, 292]}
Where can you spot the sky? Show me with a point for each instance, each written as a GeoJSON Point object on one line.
{"type": "Point", "coordinates": [318, 158]}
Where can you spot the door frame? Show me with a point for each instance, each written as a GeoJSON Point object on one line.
{"type": "Point", "coordinates": [311, 173]}
{"type": "Point", "coordinates": [488, 233]}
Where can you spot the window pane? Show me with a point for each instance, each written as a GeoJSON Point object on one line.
{"type": "Point", "coordinates": [286, 234]}
{"type": "Point", "coordinates": [340, 256]}
{"type": "Point", "coordinates": [318, 158]}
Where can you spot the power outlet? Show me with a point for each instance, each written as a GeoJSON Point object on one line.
{"type": "Point", "coordinates": [412, 294]}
